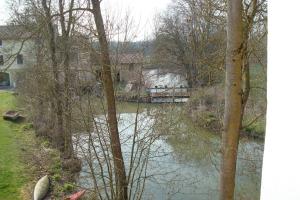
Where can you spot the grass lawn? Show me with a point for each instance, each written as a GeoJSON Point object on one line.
{"type": "Point", "coordinates": [24, 158]}
{"type": "Point", "coordinates": [12, 176]}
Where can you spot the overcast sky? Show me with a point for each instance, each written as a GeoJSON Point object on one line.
{"type": "Point", "coordinates": [143, 11]}
{"type": "Point", "coordinates": [3, 12]}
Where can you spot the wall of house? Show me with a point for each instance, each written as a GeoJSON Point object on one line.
{"type": "Point", "coordinates": [129, 73]}
{"type": "Point", "coordinates": [9, 50]}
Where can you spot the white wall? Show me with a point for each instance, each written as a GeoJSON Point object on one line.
{"type": "Point", "coordinates": [12, 47]}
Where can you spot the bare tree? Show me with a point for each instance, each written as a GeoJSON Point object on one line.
{"type": "Point", "coordinates": [192, 35]}
{"type": "Point", "coordinates": [58, 107]}
{"type": "Point", "coordinates": [120, 173]}
{"type": "Point", "coordinates": [66, 49]}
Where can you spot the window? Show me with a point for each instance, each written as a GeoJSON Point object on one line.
{"type": "Point", "coordinates": [20, 59]}
{"type": "Point", "coordinates": [4, 79]}
{"type": "Point", "coordinates": [1, 60]}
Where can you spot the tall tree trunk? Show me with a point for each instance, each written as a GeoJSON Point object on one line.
{"type": "Point", "coordinates": [120, 174]}
{"type": "Point", "coordinates": [58, 136]}
{"type": "Point", "coordinates": [233, 99]}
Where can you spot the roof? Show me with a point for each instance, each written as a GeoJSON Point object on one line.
{"type": "Point", "coordinates": [11, 32]}
{"type": "Point", "coordinates": [127, 58]}
{"type": "Point", "coordinates": [119, 59]}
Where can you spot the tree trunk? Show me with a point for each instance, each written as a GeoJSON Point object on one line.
{"type": "Point", "coordinates": [233, 99]}
{"type": "Point", "coordinates": [120, 174]}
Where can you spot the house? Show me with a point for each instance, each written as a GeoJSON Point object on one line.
{"type": "Point", "coordinates": [126, 67]}
{"type": "Point", "coordinates": [16, 53]}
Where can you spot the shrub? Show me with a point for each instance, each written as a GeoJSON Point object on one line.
{"type": "Point", "coordinates": [206, 107]}
{"type": "Point", "coordinates": [68, 187]}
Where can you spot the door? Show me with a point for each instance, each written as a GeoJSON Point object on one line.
{"type": "Point", "coordinates": [4, 79]}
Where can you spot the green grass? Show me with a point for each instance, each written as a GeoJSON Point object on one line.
{"type": "Point", "coordinates": [23, 158]}
{"type": "Point", "coordinates": [12, 177]}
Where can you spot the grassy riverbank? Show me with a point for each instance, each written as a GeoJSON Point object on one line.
{"type": "Point", "coordinates": [12, 169]}
{"type": "Point", "coordinates": [24, 158]}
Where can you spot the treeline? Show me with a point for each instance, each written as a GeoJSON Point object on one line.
{"type": "Point", "coordinates": [192, 34]}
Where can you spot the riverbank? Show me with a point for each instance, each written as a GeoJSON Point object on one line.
{"type": "Point", "coordinates": [24, 158]}
{"type": "Point", "coordinates": [12, 167]}
{"type": "Point", "coordinates": [205, 108]}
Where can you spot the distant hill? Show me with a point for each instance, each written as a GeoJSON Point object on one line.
{"type": "Point", "coordinates": [146, 47]}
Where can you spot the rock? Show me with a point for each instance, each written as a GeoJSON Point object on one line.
{"type": "Point", "coordinates": [41, 188]}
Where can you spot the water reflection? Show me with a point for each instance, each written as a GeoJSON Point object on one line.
{"type": "Point", "coordinates": [184, 163]}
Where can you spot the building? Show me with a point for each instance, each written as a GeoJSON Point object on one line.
{"type": "Point", "coordinates": [128, 66]}
{"type": "Point", "coordinates": [16, 53]}
{"type": "Point", "coordinates": [81, 69]}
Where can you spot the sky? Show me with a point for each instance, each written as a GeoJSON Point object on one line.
{"type": "Point", "coordinates": [142, 11]}
{"type": "Point", "coordinates": [3, 11]}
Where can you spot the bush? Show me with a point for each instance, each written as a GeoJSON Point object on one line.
{"type": "Point", "coordinates": [206, 107]}
{"type": "Point", "coordinates": [56, 177]}
{"type": "Point", "coordinates": [68, 187]}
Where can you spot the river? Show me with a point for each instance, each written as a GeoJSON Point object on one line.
{"type": "Point", "coordinates": [183, 161]}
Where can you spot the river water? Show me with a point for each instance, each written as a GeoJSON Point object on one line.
{"type": "Point", "coordinates": [183, 161]}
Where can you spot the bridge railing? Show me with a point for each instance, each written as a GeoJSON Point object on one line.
{"type": "Point", "coordinates": [169, 92]}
